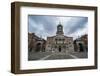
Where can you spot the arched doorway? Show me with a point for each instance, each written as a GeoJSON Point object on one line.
{"type": "Point", "coordinates": [81, 49]}
{"type": "Point", "coordinates": [59, 48]}
{"type": "Point", "coordinates": [38, 47]}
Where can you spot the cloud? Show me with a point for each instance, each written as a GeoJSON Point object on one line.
{"type": "Point", "coordinates": [75, 24]}
{"type": "Point", "coordinates": [45, 22]}
{"type": "Point", "coordinates": [47, 25]}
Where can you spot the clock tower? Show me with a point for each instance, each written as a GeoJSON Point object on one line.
{"type": "Point", "coordinates": [59, 29]}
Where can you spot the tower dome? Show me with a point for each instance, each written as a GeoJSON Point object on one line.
{"type": "Point", "coordinates": [59, 29]}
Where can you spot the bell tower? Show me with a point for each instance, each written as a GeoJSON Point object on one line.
{"type": "Point", "coordinates": [59, 29]}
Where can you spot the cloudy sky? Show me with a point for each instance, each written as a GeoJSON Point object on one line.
{"type": "Point", "coordinates": [44, 26]}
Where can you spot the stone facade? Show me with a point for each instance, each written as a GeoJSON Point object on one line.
{"type": "Point", "coordinates": [81, 44]}
{"type": "Point", "coordinates": [35, 43]}
{"type": "Point", "coordinates": [60, 42]}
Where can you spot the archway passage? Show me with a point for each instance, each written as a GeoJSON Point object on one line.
{"type": "Point", "coordinates": [59, 48]}
{"type": "Point", "coordinates": [38, 47]}
{"type": "Point", "coordinates": [81, 49]}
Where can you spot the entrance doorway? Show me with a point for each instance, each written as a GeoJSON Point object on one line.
{"type": "Point", "coordinates": [59, 48]}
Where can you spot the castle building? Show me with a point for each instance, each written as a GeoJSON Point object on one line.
{"type": "Point", "coordinates": [35, 43]}
{"type": "Point", "coordinates": [59, 42]}
{"type": "Point", "coordinates": [81, 44]}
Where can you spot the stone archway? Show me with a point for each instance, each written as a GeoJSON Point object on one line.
{"type": "Point", "coordinates": [38, 47]}
{"type": "Point", "coordinates": [81, 48]}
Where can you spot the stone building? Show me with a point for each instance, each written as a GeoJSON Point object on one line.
{"type": "Point", "coordinates": [35, 43]}
{"type": "Point", "coordinates": [59, 42]}
{"type": "Point", "coordinates": [81, 44]}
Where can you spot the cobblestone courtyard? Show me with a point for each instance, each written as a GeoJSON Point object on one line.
{"type": "Point", "coordinates": [53, 56]}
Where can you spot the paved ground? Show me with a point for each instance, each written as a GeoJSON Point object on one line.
{"type": "Point", "coordinates": [37, 55]}
{"type": "Point", "coordinates": [80, 54]}
{"type": "Point", "coordinates": [53, 56]}
{"type": "Point", "coordinates": [59, 56]}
